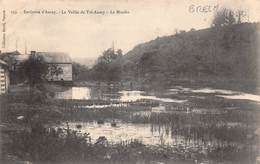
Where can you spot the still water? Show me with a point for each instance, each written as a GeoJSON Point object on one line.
{"type": "Point", "coordinates": [177, 100]}
{"type": "Point", "coordinates": [148, 134]}
{"type": "Point", "coordinates": [86, 93]}
{"type": "Point", "coordinates": [124, 132]}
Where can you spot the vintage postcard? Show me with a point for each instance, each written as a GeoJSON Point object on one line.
{"type": "Point", "coordinates": [129, 82]}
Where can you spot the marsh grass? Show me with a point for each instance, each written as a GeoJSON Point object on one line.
{"type": "Point", "coordinates": [60, 145]}
{"type": "Point", "coordinates": [229, 131]}
{"type": "Point", "coordinates": [49, 145]}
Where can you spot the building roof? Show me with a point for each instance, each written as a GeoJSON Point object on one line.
{"type": "Point", "coordinates": [55, 57]}
{"type": "Point", "coordinates": [14, 56]}
{"type": "Point", "coordinates": [49, 57]}
{"type": "Point", "coordinates": [11, 53]}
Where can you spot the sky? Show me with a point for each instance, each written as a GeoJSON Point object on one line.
{"type": "Point", "coordinates": [87, 35]}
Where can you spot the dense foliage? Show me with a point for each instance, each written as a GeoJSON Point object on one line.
{"type": "Point", "coordinates": [108, 67]}
{"type": "Point", "coordinates": [80, 72]}
{"type": "Point", "coordinates": [35, 69]}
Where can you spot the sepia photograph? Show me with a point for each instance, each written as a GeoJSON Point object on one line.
{"type": "Point", "coordinates": [130, 82]}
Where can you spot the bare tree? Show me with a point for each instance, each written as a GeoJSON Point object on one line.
{"type": "Point", "coordinates": [224, 17]}
{"type": "Point", "coordinates": [241, 16]}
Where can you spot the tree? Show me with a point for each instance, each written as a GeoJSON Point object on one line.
{"type": "Point", "coordinates": [107, 57]}
{"type": "Point", "coordinates": [119, 53]}
{"type": "Point", "coordinates": [150, 65]}
{"type": "Point", "coordinates": [241, 16]}
{"type": "Point", "coordinates": [35, 70]}
{"type": "Point", "coordinates": [223, 17]}
{"type": "Point", "coordinates": [80, 72]}
{"type": "Point", "coordinates": [226, 17]}
{"type": "Point", "coordinates": [108, 66]}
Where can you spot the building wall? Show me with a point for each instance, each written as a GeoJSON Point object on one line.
{"type": "Point", "coordinates": [65, 76]}
{"type": "Point", "coordinates": [4, 80]}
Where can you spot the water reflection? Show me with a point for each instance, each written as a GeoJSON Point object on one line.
{"type": "Point", "coordinates": [94, 93]}
{"type": "Point", "coordinates": [159, 109]}
{"type": "Point", "coordinates": [228, 94]}
{"type": "Point", "coordinates": [150, 135]}
{"type": "Point", "coordinates": [78, 93]}
{"type": "Point", "coordinates": [210, 90]}
{"type": "Point", "coordinates": [85, 93]}
{"type": "Point", "coordinates": [242, 96]}
{"type": "Point", "coordinates": [128, 96]}
{"type": "Point", "coordinates": [102, 106]}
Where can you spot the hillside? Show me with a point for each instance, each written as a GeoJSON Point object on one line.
{"type": "Point", "coordinates": [226, 52]}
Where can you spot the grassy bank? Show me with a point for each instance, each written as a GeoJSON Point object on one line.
{"type": "Point", "coordinates": [47, 145]}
